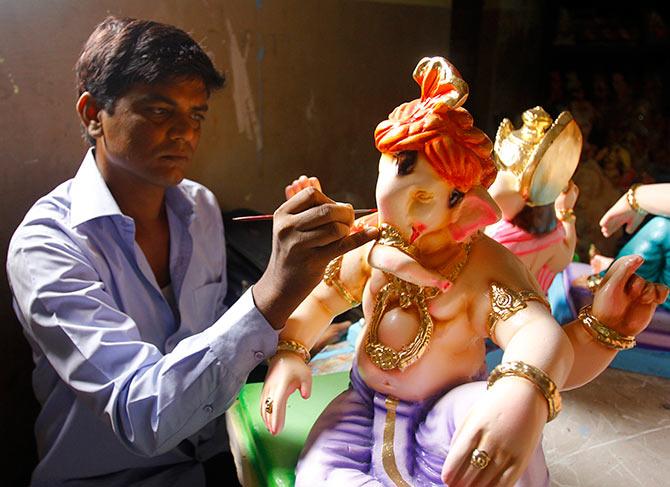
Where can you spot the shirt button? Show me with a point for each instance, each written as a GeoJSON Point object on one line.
{"type": "Point", "coordinates": [208, 409]}
{"type": "Point", "coordinates": [259, 355]}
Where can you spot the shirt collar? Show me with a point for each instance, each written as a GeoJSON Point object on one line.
{"type": "Point", "coordinates": [90, 196]}
{"type": "Point", "coordinates": [180, 202]}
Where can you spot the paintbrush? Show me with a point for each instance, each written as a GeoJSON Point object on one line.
{"type": "Point", "coordinates": [255, 218]}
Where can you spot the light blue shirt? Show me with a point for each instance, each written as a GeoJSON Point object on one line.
{"type": "Point", "coordinates": [132, 393]}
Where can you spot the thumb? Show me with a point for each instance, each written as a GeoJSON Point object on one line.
{"type": "Point", "coordinates": [621, 271]}
{"type": "Point", "coordinates": [306, 388]}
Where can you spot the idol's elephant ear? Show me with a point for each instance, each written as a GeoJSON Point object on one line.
{"type": "Point", "coordinates": [476, 211]}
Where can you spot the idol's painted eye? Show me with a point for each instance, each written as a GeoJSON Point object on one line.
{"type": "Point", "coordinates": [423, 196]}
{"type": "Point", "coordinates": [455, 197]}
{"type": "Point", "coordinates": [405, 161]}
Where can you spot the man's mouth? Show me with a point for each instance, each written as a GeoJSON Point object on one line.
{"type": "Point", "coordinates": [178, 158]}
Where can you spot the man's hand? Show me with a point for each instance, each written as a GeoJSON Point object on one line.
{"type": "Point", "coordinates": [301, 183]}
{"type": "Point", "coordinates": [624, 301]}
{"type": "Point", "coordinates": [309, 230]}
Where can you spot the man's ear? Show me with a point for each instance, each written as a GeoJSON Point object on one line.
{"type": "Point", "coordinates": [89, 114]}
{"type": "Point", "coordinates": [477, 211]}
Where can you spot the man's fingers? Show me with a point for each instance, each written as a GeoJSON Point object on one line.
{"type": "Point", "coordinates": [353, 241]}
{"type": "Point", "coordinates": [330, 233]}
{"type": "Point", "coordinates": [303, 200]}
{"type": "Point", "coordinates": [324, 214]}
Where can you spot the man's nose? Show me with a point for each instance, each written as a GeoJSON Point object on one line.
{"type": "Point", "coordinates": [184, 128]}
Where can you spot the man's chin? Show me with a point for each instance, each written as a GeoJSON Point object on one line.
{"type": "Point", "coordinates": [170, 178]}
{"type": "Point", "coordinates": [174, 179]}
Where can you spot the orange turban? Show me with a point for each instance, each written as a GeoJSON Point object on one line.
{"type": "Point", "coordinates": [437, 126]}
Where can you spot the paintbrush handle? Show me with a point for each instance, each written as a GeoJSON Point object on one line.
{"type": "Point", "coordinates": [256, 218]}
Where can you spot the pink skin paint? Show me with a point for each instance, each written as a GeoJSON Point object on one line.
{"type": "Point", "coordinates": [480, 214]}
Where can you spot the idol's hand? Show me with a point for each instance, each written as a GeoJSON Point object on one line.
{"type": "Point", "coordinates": [567, 199]}
{"type": "Point", "coordinates": [506, 425]}
{"type": "Point", "coordinates": [624, 301]}
{"type": "Point", "coordinates": [287, 373]}
{"type": "Point", "coordinates": [618, 215]}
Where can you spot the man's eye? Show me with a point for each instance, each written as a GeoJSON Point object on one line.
{"type": "Point", "coordinates": [455, 197]}
{"type": "Point", "coordinates": [157, 111]}
{"type": "Point", "coordinates": [199, 117]}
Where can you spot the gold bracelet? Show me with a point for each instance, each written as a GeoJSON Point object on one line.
{"type": "Point", "coordinates": [604, 334]}
{"type": "Point", "coordinates": [566, 215]}
{"type": "Point", "coordinates": [294, 347]}
{"type": "Point", "coordinates": [632, 201]}
{"type": "Point", "coordinates": [536, 376]}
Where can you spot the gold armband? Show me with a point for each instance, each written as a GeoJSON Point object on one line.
{"type": "Point", "coordinates": [294, 347]}
{"type": "Point", "coordinates": [505, 303]}
{"type": "Point", "coordinates": [604, 334]}
{"type": "Point", "coordinates": [632, 201]}
{"type": "Point", "coordinates": [541, 380]}
{"type": "Point", "coordinates": [332, 278]}
{"type": "Point", "coordinates": [566, 215]}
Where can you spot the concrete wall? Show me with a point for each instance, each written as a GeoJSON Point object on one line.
{"type": "Point", "coordinates": [307, 83]}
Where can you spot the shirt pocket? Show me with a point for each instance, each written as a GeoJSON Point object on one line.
{"type": "Point", "coordinates": [206, 303]}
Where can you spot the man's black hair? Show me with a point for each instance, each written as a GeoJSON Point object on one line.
{"type": "Point", "coordinates": [122, 52]}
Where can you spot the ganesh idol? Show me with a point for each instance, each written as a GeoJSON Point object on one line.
{"type": "Point", "coordinates": [420, 408]}
{"type": "Point", "coordinates": [533, 188]}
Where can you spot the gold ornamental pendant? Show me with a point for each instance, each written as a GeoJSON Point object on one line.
{"type": "Point", "coordinates": [408, 294]}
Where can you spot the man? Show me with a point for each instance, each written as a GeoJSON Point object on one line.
{"type": "Point", "coordinates": [118, 275]}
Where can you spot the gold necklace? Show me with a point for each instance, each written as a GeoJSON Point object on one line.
{"type": "Point", "coordinates": [407, 293]}
{"type": "Point", "coordinates": [467, 248]}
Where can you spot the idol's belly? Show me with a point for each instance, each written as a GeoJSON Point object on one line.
{"type": "Point", "coordinates": [450, 358]}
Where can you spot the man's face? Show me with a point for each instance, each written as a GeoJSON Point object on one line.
{"type": "Point", "coordinates": [153, 133]}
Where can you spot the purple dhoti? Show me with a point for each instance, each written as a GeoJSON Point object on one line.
{"type": "Point", "coordinates": [364, 438]}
